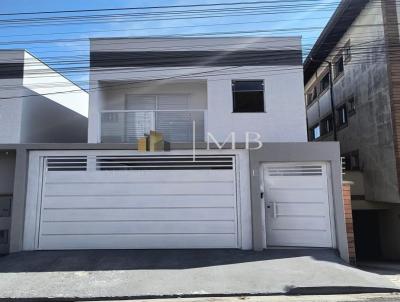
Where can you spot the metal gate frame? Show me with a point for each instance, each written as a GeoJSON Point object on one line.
{"type": "Point", "coordinates": [330, 199]}
{"type": "Point", "coordinates": [36, 177]}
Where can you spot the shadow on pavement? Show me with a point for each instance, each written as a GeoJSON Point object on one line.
{"type": "Point", "coordinates": [104, 260]}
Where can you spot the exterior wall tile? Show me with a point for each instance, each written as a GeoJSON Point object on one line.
{"type": "Point", "coordinates": [349, 221]}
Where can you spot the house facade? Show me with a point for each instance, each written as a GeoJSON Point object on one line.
{"type": "Point", "coordinates": [167, 83]}
{"type": "Point", "coordinates": [353, 68]}
{"type": "Point", "coordinates": [210, 189]}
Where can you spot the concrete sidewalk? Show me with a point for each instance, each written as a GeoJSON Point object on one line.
{"type": "Point", "coordinates": [390, 270]}
{"type": "Point", "coordinates": [172, 273]}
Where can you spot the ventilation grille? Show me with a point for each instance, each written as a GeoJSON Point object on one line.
{"type": "Point", "coordinates": [163, 162]}
{"type": "Point", "coordinates": [295, 170]}
{"type": "Point", "coordinates": [70, 163]}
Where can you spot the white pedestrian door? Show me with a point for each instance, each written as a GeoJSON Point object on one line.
{"type": "Point", "coordinates": [297, 210]}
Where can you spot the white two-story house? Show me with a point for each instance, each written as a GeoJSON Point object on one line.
{"type": "Point", "coordinates": [223, 84]}
{"type": "Point", "coordinates": [106, 194]}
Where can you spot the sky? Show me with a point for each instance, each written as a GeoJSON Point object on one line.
{"type": "Point", "coordinates": [64, 44]}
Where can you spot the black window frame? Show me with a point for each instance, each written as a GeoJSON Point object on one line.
{"type": "Point", "coordinates": [311, 95]}
{"type": "Point", "coordinates": [338, 72]}
{"type": "Point", "coordinates": [326, 125]}
{"type": "Point", "coordinates": [325, 79]}
{"type": "Point", "coordinates": [236, 107]}
{"type": "Point", "coordinates": [352, 106]}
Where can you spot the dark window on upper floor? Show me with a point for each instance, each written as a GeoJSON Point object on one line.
{"type": "Point", "coordinates": [351, 161]}
{"type": "Point", "coordinates": [326, 125]}
{"type": "Point", "coordinates": [315, 132]}
{"type": "Point", "coordinates": [248, 96]}
{"type": "Point", "coordinates": [347, 52]}
{"type": "Point", "coordinates": [324, 84]}
{"type": "Point", "coordinates": [352, 105]}
{"type": "Point", "coordinates": [342, 115]}
{"type": "Point", "coordinates": [311, 95]}
{"type": "Point", "coordinates": [338, 67]}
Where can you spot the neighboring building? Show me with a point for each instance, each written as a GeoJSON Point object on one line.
{"type": "Point", "coordinates": [361, 41]}
{"type": "Point", "coordinates": [108, 195]}
{"type": "Point", "coordinates": [37, 105]}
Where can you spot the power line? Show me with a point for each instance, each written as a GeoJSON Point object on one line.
{"type": "Point", "coordinates": [148, 7]}
{"type": "Point", "coordinates": [183, 76]}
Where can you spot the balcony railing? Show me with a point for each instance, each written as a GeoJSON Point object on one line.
{"type": "Point", "coordinates": [126, 126]}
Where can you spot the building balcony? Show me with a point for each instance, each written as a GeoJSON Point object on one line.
{"type": "Point", "coordinates": [177, 126]}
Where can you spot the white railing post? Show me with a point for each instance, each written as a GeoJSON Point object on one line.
{"type": "Point", "coordinates": [99, 134]}
{"type": "Point", "coordinates": [153, 121]}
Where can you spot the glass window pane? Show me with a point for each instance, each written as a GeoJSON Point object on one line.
{"type": "Point", "coordinates": [325, 82]}
{"type": "Point", "coordinates": [248, 101]}
{"type": "Point", "coordinates": [248, 96]}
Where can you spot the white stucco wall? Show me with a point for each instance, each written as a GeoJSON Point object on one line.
{"type": "Point", "coordinates": [44, 120]}
{"type": "Point", "coordinates": [284, 118]}
{"type": "Point", "coordinates": [43, 80]}
{"type": "Point", "coordinates": [10, 103]}
{"type": "Point", "coordinates": [10, 114]}
{"type": "Point", "coordinates": [41, 105]}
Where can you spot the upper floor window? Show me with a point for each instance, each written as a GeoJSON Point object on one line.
{"type": "Point", "coordinates": [338, 67]}
{"type": "Point", "coordinates": [347, 52]}
{"type": "Point", "coordinates": [311, 95]}
{"type": "Point", "coordinates": [342, 115]}
{"type": "Point", "coordinates": [326, 125]}
{"type": "Point", "coordinates": [324, 84]}
{"type": "Point", "coordinates": [315, 132]}
{"type": "Point", "coordinates": [352, 105]}
{"type": "Point", "coordinates": [248, 96]}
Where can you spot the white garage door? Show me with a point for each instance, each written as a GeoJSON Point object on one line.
{"type": "Point", "coordinates": [138, 202]}
{"type": "Point", "coordinates": [297, 206]}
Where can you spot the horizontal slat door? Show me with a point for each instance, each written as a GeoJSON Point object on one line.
{"type": "Point", "coordinates": [297, 205]}
{"type": "Point", "coordinates": [138, 209]}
